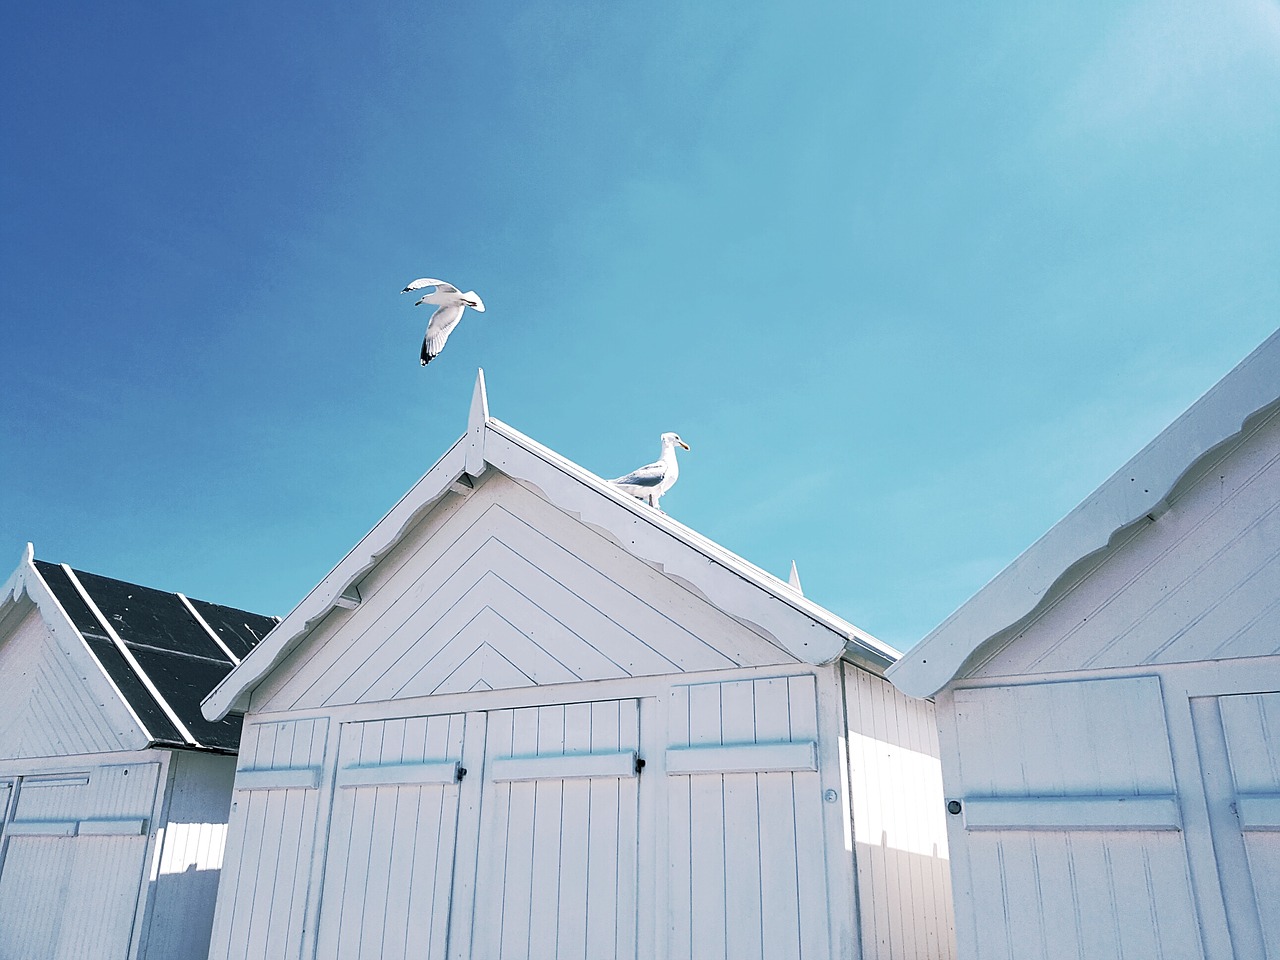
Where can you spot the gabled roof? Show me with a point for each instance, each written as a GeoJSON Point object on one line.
{"type": "Point", "coordinates": [1135, 494]}
{"type": "Point", "coordinates": [159, 652]}
{"type": "Point", "coordinates": [749, 594]}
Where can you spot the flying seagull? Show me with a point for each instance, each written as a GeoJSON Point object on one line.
{"type": "Point", "coordinates": [651, 481]}
{"type": "Point", "coordinates": [449, 302]}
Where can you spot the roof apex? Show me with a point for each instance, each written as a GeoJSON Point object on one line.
{"type": "Point", "coordinates": [727, 580]}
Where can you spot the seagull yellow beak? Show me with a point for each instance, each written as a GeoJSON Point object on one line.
{"type": "Point", "coordinates": [683, 444]}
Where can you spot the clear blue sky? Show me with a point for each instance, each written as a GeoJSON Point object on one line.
{"type": "Point", "coordinates": [911, 279]}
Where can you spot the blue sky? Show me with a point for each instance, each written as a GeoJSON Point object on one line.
{"type": "Point", "coordinates": [911, 279]}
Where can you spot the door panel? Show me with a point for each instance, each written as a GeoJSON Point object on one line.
{"type": "Point", "coordinates": [747, 872]}
{"type": "Point", "coordinates": [389, 876]}
{"type": "Point", "coordinates": [1251, 725]}
{"type": "Point", "coordinates": [558, 835]}
{"type": "Point", "coordinates": [272, 832]}
{"type": "Point", "coordinates": [74, 851]}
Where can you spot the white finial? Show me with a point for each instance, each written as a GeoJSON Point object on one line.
{"type": "Point", "coordinates": [476, 426]}
{"type": "Point", "coordinates": [794, 579]}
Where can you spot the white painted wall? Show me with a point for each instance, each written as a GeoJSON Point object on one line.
{"type": "Point", "coordinates": [55, 704]}
{"type": "Point", "coordinates": [1118, 758]}
{"type": "Point", "coordinates": [186, 860]}
{"type": "Point", "coordinates": [898, 825]}
{"type": "Point", "coordinates": [74, 847]}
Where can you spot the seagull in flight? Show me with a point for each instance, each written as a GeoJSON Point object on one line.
{"type": "Point", "coordinates": [652, 480]}
{"type": "Point", "coordinates": [449, 303]}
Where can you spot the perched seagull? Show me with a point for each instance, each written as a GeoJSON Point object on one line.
{"type": "Point", "coordinates": [651, 481]}
{"type": "Point", "coordinates": [450, 302]}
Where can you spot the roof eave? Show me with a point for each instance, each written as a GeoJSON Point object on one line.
{"type": "Point", "coordinates": [232, 694]}
{"type": "Point", "coordinates": [1137, 493]}
{"type": "Point", "coordinates": [27, 581]}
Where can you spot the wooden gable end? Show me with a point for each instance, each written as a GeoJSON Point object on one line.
{"type": "Point", "coordinates": [55, 700]}
{"type": "Point", "coordinates": [500, 589]}
{"type": "Point", "coordinates": [1199, 582]}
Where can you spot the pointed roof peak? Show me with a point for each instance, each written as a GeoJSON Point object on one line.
{"type": "Point", "coordinates": [794, 579]}
{"type": "Point", "coordinates": [476, 423]}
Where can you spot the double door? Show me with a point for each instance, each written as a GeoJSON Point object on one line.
{"type": "Point", "coordinates": [509, 833]}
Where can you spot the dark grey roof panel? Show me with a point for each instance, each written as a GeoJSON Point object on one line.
{"type": "Point", "coordinates": [150, 617]}
{"type": "Point", "coordinates": [176, 656]}
{"type": "Point", "coordinates": [131, 687]}
{"type": "Point", "coordinates": [239, 630]}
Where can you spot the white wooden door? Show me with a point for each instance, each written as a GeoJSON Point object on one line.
{"type": "Point", "coordinates": [1251, 729]}
{"type": "Point", "coordinates": [388, 881]}
{"type": "Point", "coordinates": [1070, 824]}
{"type": "Point", "coordinates": [74, 847]}
{"type": "Point", "coordinates": [272, 832]}
{"type": "Point", "coordinates": [558, 834]}
{"type": "Point", "coordinates": [747, 874]}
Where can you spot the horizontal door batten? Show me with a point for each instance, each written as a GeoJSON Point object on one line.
{"type": "Point", "coordinates": [399, 774]}
{"type": "Point", "coordinates": [1258, 811]}
{"type": "Point", "coordinates": [1072, 813]}
{"type": "Point", "coordinates": [564, 766]}
{"type": "Point", "coordinates": [743, 758]}
{"type": "Point", "coordinates": [281, 778]}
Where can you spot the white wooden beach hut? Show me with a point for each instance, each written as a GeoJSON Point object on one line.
{"type": "Point", "coordinates": [1109, 707]}
{"type": "Point", "coordinates": [529, 716]}
{"type": "Point", "coordinates": [114, 790]}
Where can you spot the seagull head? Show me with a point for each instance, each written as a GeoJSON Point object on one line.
{"type": "Point", "coordinates": [673, 439]}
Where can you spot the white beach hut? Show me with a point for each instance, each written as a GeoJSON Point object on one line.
{"type": "Point", "coordinates": [114, 790]}
{"type": "Point", "coordinates": [529, 716]}
{"type": "Point", "coordinates": [1109, 707]}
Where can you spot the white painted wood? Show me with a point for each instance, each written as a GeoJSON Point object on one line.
{"type": "Point", "coordinates": [66, 895]}
{"type": "Point", "coordinates": [1146, 487]}
{"type": "Point", "coordinates": [557, 855]}
{"type": "Point", "coordinates": [388, 880]}
{"type": "Point", "coordinates": [477, 421]}
{"type": "Point", "coordinates": [1072, 813]}
{"type": "Point", "coordinates": [728, 896]}
{"type": "Point", "coordinates": [278, 778]}
{"type": "Point", "coordinates": [1202, 584]}
{"type": "Point", "coordinates": [564, 603]}
{"type": "Point", "coordinates": [55, 701]}
{"type": "Point", "coordinates": [897, 823]}
{"type": "Point", "coordinates": [266, 872]}
{"type": "Point", "coordinates": [41, 828]}
{"type": "Point", "coordinates": [135, 827]}
{"type": "Point", "coordinates": [399, 774]}
{"type": "Point", "coordinates": [565, 767]}
{"type": "Point", "coordinates": [1251, 730]}
{"type": "Point", "coordinates": [1259, 811]}
{"type": "Point", "coordinates": [743, 758]}
{"type": "Point", "coordinates": [1039, 891]}
{"type": "Point", "coordinates": [187, 856]}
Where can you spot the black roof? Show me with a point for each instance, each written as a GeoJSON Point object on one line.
{"type": "Point", "coordinates": [169, 661]}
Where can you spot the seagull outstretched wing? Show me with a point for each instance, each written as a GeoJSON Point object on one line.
{"type": "Point", "coordinates": [428, 282]}
{"type": "Point", "coordinates": [442, 323]}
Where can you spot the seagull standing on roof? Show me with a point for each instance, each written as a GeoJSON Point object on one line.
{"type": "Point", "coordinates": [651, 481]}
{"type": "Point", "coordinates": [449, 302]}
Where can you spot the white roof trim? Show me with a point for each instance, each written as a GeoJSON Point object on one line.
{"type": "Point", "coordinates": [681, 553]}
{"type": "Point", "coordinates": [26, 579]}
{"type": "Point", "coordinates": [1137, 493]}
